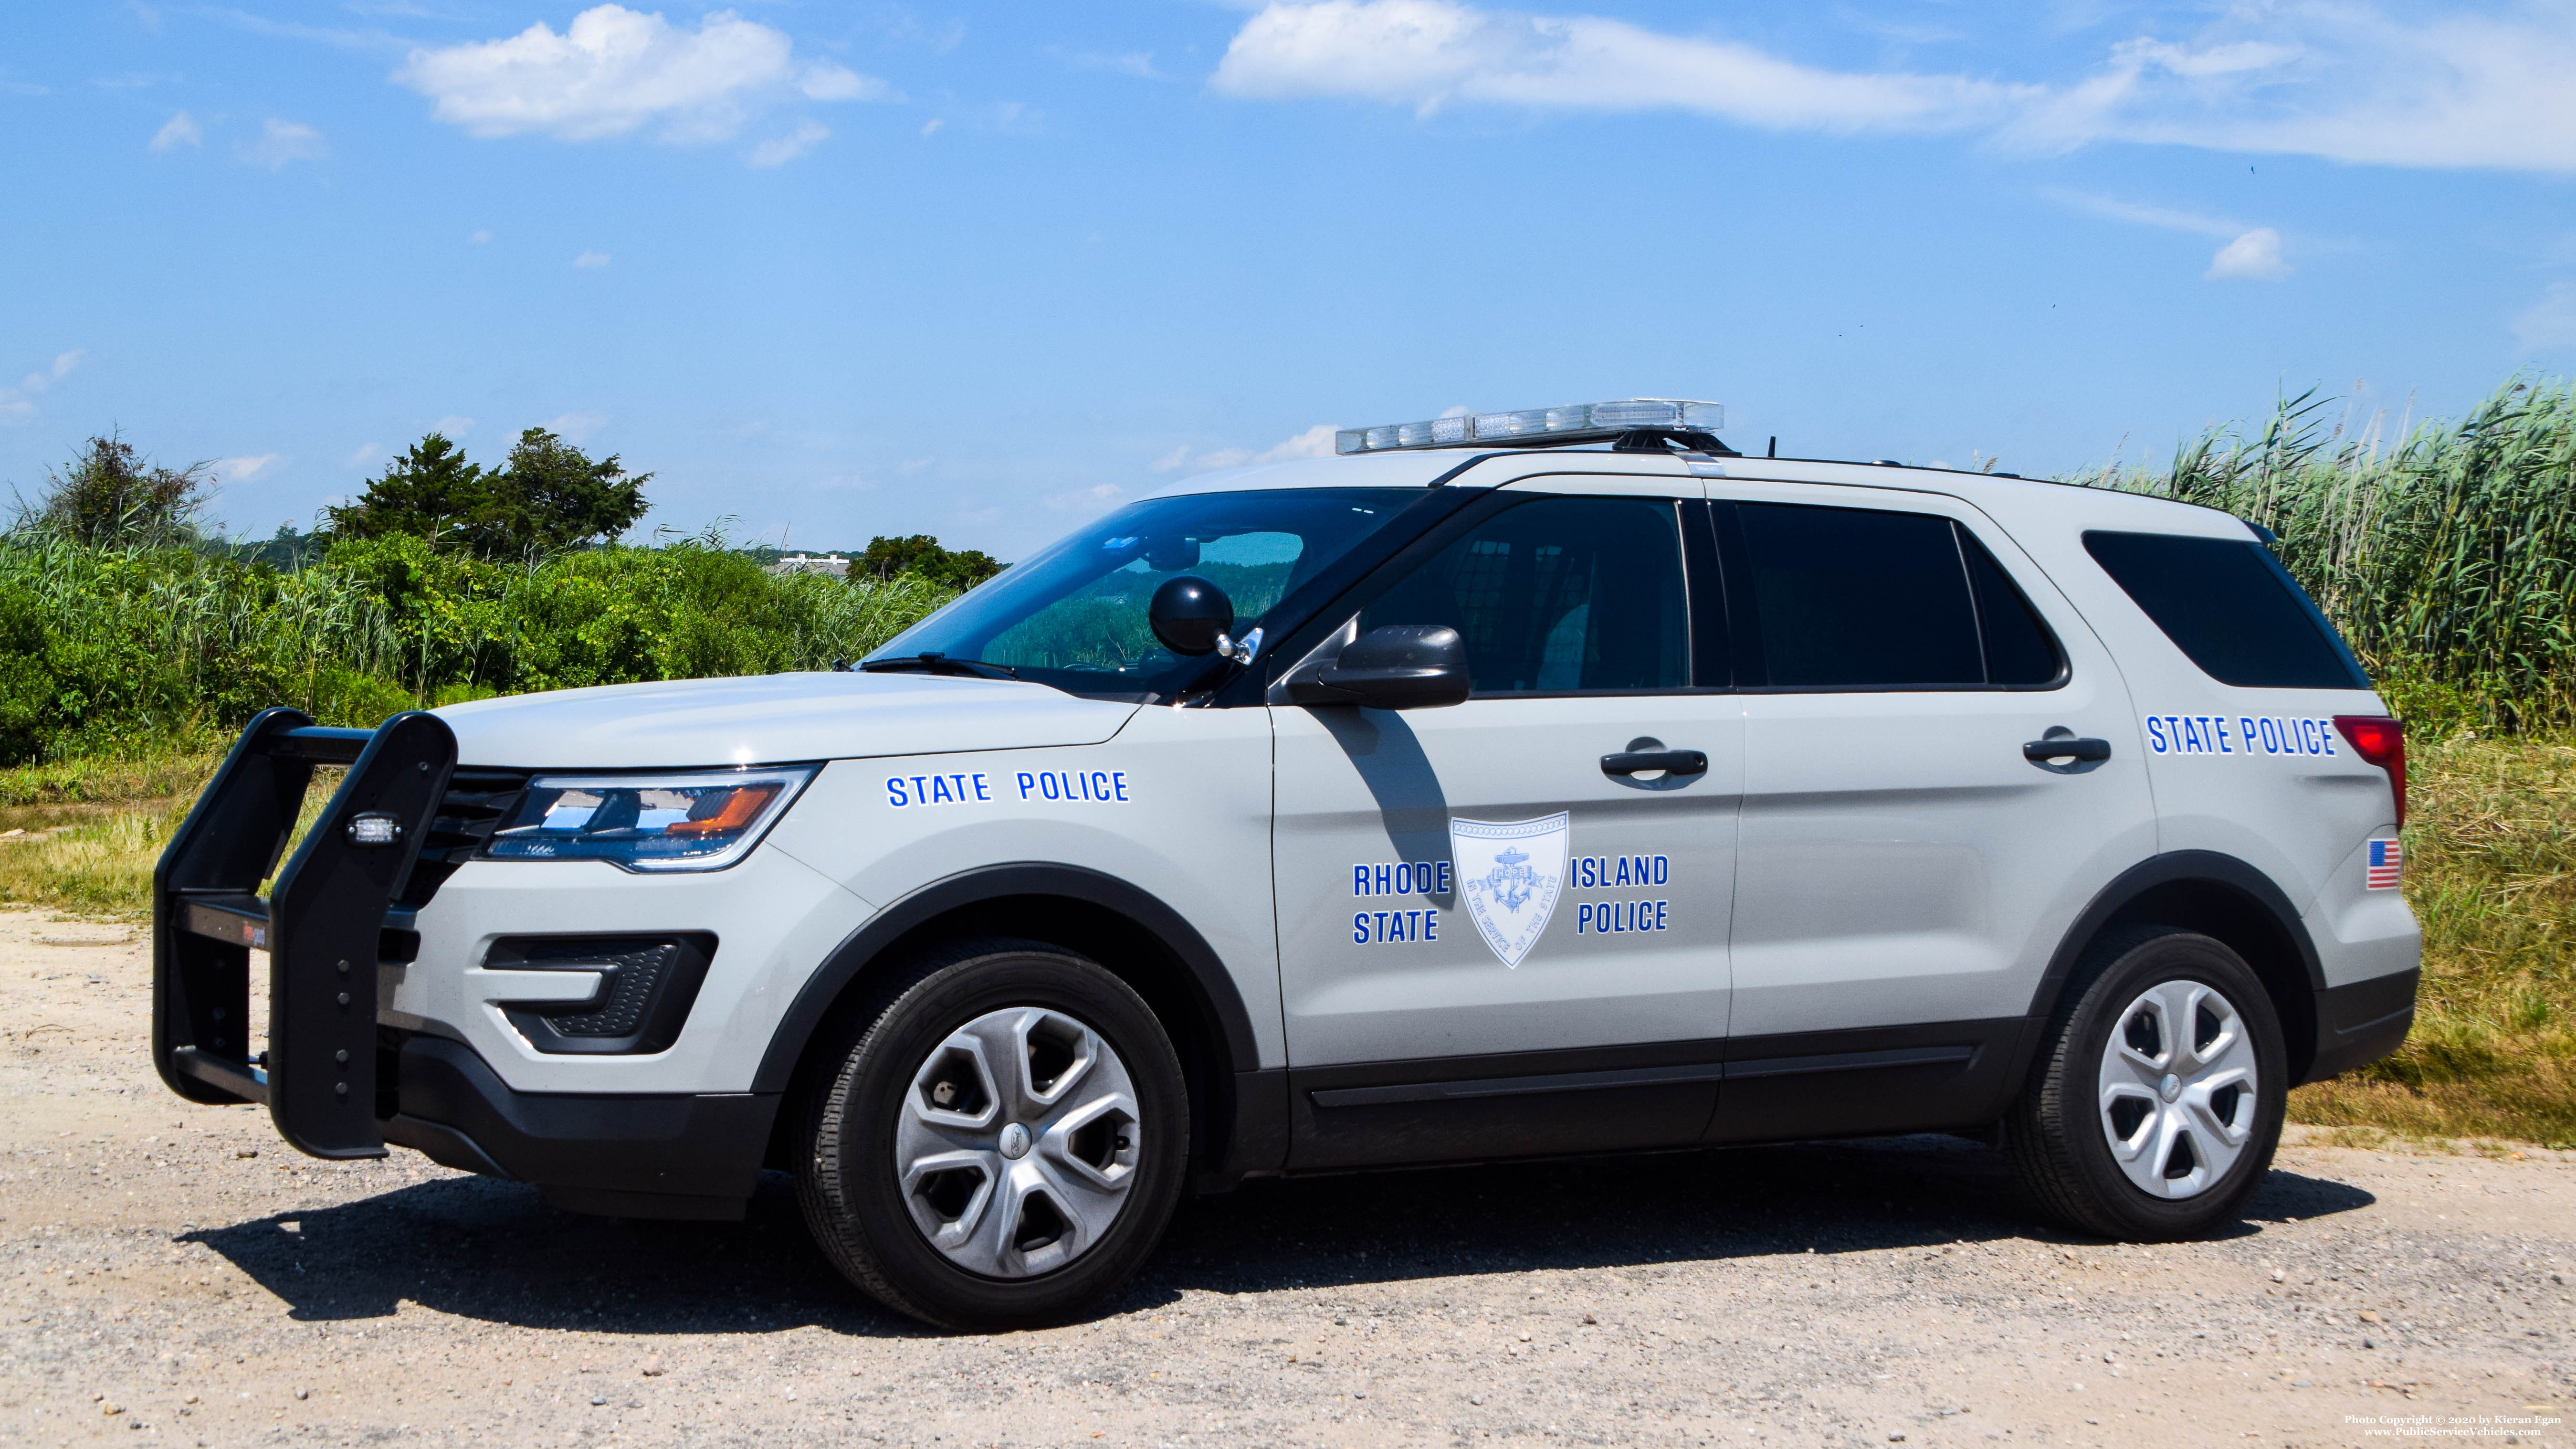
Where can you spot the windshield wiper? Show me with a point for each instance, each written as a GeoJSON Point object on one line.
{"type": "Point", "coordinates": [939, 664]}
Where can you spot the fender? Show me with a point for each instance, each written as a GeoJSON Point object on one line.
{"type": "Point", "coordinates": [1216, 989]}
{"type": "Point", "coordinates": [2170, 868]}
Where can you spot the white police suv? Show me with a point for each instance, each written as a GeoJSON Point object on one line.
{"type": "Point", "coordinates": [1516, 784]}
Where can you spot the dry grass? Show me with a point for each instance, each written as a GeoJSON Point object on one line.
{"type": "Point", "coordinates": [2491, 873]}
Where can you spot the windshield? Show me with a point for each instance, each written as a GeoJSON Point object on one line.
{"type": "Point", "coordinates": [1074, 616]}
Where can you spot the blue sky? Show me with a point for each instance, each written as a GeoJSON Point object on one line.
{"type": "Point", "coordinates": [983, 271]}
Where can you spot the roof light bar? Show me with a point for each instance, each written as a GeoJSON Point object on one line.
{"type": "Point", "coordinates": [1555, 425]}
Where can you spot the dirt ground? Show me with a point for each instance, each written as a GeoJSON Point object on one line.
{"type": "Point", "coordinates": [173, 1274]}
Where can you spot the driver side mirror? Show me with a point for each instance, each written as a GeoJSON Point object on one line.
{"type": "Point", "coordinates": [1394, 666]}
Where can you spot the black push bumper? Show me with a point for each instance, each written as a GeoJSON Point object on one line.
{"type": "Point", "coordinates": [324, 927]}
{"type": "Point", "coordinates": [336, 1085]}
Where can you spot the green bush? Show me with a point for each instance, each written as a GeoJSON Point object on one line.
{"type": "Point", "coordinates": [106, 650]}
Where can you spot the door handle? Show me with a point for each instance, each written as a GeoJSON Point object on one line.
{"type": "Point", "coordinates": [1671, 762]}
{"type": "Point", "coordinates": [2061, 743]}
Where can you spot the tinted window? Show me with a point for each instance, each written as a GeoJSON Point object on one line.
{"type": "Point", "coordinates": [2231, 607]}
{"type": "Point", "coordinates": [1856, 598]}
{"type": "Point", "coordinates": [1558, 594]}
{"type": "Point", "coordinates": [2019, 648]}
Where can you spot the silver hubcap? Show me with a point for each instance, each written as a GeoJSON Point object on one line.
{"type": "Point", "coordinates": [1018, 1142]}
{"type": "Point", "coordinates": [2177, 1089]}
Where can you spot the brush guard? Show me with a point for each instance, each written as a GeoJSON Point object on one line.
{"type": "Point", "coordinates": [327, 924]}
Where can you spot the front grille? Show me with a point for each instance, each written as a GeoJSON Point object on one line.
{"type": "Point", "coordinates": [478, 799]}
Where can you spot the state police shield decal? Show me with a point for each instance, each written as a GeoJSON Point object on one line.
{"type": "Point", "coordinates": [1509, 874]}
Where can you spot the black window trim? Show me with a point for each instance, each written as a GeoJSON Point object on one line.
{"type": "Point", "coordinates": [1745, 617]}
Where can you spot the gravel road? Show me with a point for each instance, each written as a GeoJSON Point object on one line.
{"type": "Point", "coordinates": [175, 1275]}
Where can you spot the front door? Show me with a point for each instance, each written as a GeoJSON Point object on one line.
{"type": "Point", "coordinates": [1907, 868]}
{"type": "Point", "coordinates": [1496, 937]}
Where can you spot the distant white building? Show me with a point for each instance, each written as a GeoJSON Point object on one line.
{"type": "Point", "coordinates": [812, 563]}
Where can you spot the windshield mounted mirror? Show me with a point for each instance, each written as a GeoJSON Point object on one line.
{"type": "Point", "coordinates": [1190, 615]}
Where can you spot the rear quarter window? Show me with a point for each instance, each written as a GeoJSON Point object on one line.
{"type": "Point", "coordinates": [2231, 608]}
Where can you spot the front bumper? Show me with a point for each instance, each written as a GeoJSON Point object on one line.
{"type": "Point", "coordinates": [339, 1079]}
{"type": "Point", "coordinates": [687, 1156]}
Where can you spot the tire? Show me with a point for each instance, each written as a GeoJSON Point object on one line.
{"type": "Point", "coordinates": [1001, 1143]}
{"type": "Point", "coordinates": [2132, 1130]}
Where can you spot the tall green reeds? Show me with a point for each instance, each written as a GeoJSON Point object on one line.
{"type": "Point", "coordinates": [2447, 556]}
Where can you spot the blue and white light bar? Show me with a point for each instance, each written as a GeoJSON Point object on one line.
{"type": "Point", "coordinates": [1535, 425]}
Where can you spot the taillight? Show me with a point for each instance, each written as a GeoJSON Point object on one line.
{"type": "Point", "coordinates": [2382, 742]}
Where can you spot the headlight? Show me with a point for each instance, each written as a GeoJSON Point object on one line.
{"type": "Point", "coordinates": [699, 820]}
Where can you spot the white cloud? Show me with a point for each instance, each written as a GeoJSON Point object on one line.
{"type": "Point", "coordinates": [454, 425]}
{"type": "Point", "coordinates": [1431, 53]}
{"type": "Point", "coordinates": [1091, 499]}
{"type": "Point", "coordinates": [2549, 323]}
{"type": "Point", "coordinates": [591, 259]}
{"type": "Point", "coordinates": [2252, 252]}
{"type": "Point", "coordinates": [931, 126]}
{"type": "Point", "coordinates": [179, 130]}
{"type": "Point", "coordinates": [2111, 208]}
{"type": "Point", "coordinates": [1315, 442]}
{"type": "Point", "coordinates": [2337, 79]}
{"type": "Point", "coordinates": [280, 142]}
{"type": "Point", "coordinates": [365, 453]}
{"type": "Point", "coordinates": [825, 81]}
{"type": "Point", "coordinates": [779, 150]}
{"type": "Point", "coordinates": [235, 470]}
{"type": "Point", "coordinates": [17, 404]}
{"type": "Point", "coordinates": [478, 238]}
{"type": "Point", "coordinates": [613, 70]}
{"type": "Point", "coordinates": [577, 427]}
{"type": "Point", "coordinates": [2256, 255]}
{"type": "Point", "coordinates": [2343, 81]}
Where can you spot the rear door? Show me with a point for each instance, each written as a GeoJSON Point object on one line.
{"type": "Point", "coordinates": [1906, 868]}
{"type": "Point", "coordinates": [1490, 943]}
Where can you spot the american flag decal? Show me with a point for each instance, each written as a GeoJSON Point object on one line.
{"type": "Point", "coordinates": [2386, 862]}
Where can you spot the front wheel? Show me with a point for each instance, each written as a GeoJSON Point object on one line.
{"type": "Point", "coordinates": [1002, 1145]}
{"type": "Point", "coordinates": [2154, 1108]}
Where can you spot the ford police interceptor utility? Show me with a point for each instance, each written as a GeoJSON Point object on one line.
{"type": "Point", "coordinates": [1521, 783]}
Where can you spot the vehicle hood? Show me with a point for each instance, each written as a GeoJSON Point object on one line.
{"type": "Point", "coordinates": [772, 719]}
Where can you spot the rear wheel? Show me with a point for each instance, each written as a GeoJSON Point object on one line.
{"type": "Point", "coordinates": [1001, 1145]}
{"type": "Point", "coordinates": [2156, 1104]}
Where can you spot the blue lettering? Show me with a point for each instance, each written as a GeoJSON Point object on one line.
{"type": "Point", "coordinates": [894, 793]}
{"type": "Point", "coordinates": [1359, 880]}
{"type": "Point", "coordinates": [1385, 881]}
{"type": "Point", "coordinates": [939, 791]}
{"type": "Point", "coordinates": [920, 790]}
{"type": "Point", "coordinates": [1048, 787]}
{"type": "Point", "coordinates": [1660, 923]}
{"type": "Point", "coordinates": [1582, 919]}
{"type": "Point", "coordinates": [1028, 782]}
{"type": "Point", "coordinates": [1381, 924]}
{"type": "Point", "coordinates": [1430, 925]}
{"type": "Point", "coordinates": [2224, 747]}
{"type": "Point", "coordinates": [982, 793]}
{"type": "Point", "coordinates": [1118, 784]}
{"type": "Point", "coordinates": [1444, 878]}
{"type": "Point", "coordinates": [2156, 734]}
{"type": "Point", "coordinates": [1359, 929]}
{"type": "Point", "coordinates": [1663, 870]}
